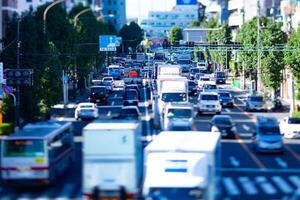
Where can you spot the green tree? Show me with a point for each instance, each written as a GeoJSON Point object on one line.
{"type": "Point", "coordinates": [175, 36]}
{"type": "Point", "coordinates": [132, 35]}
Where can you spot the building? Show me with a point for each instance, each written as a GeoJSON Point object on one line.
{"type": "Point", "coordinates": [114, 12]}
{"type": "Point", "coordinates": [160, 23]}
{"type": "Point", "coordinates": [290, 12]}
{"type": "Point", "coordinates": [217, 9]}
{"type": "Point", "coordinates": [195, 34]}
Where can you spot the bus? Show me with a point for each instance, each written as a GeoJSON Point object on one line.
{"type": "Point", "coordinates": [38, 154]}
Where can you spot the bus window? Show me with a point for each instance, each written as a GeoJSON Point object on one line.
{"type": "Point", "coordinates": [23, 148]}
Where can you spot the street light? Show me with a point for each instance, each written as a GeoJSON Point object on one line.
{"type": "Point", "coordinates": [75, 19]}
{"type": "Point", "coordinates": [47, 9]}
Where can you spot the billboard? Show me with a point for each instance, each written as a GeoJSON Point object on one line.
{"type": "Point", "coordinates": [186, 2]}
{"type": "Point", "coordinates": [108, 42]}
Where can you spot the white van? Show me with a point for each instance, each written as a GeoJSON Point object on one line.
{"type": "Point", "coordinates": [209, 102]}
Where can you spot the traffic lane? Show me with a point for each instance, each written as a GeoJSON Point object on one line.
{"type": "Point", "coordinates": [78, 126]}
{"type": "Point", "coordinates": [106, 112]}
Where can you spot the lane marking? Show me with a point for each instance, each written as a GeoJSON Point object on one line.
{"type": "Point", "coordinates": [281, 162]}
{"type": "Point", "coordinates": [230, 186]}
{"type": "Point", "coordinates": [113, 103]}
{"type": "Point", "coordinates": [109, 114]}
{"type": "Point", "coordinates": [256, 170]}
{"type": "Point", "coordinates": [295, 180]}
{"type": "Point", "coordinates": [294, 154]}
{"type": "Point", "coordinates": [246, 127]}
{"type": "Point", "coordinates": [227, 110]}
{"type": "Point", "coordinates": [66, 192]}
{"type": "Point", "coordinates": [115, 95]}
{"type": "Point", "coordinates": [248, 186]}
{"type": "Point", "coordinates": [234, 161]}
{"type": "Point", "coordinates": [282, 184]}
{"type": "Point", "coordinates": [265, 185]}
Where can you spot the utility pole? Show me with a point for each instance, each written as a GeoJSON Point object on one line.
{"type": "Point", "coordinates": [17, 111]}
{"type": "Point", "coordinates": [258, 69]}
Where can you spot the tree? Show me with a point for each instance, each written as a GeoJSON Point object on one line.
{"type": "Point", "coordinates": [292, 58]}
{"type": "Point", "coordinates": [271, 59]}
{"type": "Point", "coordinates": [132, 35]}
{"type": "Point", "coordinates": [175, 36]}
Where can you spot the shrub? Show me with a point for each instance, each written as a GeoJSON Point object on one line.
{"type": "Point", "coordinates": [6, 128]}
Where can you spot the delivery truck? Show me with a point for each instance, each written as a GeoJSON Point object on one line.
{"type": "Point", "coordinates": [112, 159]}
{"type": "Point", "coordinates": [183, 165]}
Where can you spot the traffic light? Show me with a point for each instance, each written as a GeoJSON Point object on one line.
{"type": "Point", "coordinates": [19, 77]}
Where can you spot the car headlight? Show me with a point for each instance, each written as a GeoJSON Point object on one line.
{"type": "Point", "coordinates": [233, 129]}
{"type": "Point", "coordinates": [214, 129]}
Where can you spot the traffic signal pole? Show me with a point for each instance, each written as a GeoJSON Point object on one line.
{"type": "Point", "coordinates": [17, 111]}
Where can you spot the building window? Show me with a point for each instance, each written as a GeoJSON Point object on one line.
{"type": "Point", "coordinates": [115, 12]}
{"type": "Point", "coordinates": [114, 2]}
{"type": "Point", "coordinates": [109, 12]}
{"type": "Point", "coordinates": [109, 2]}
{"type": "Point", "coordinates": [115, 21]}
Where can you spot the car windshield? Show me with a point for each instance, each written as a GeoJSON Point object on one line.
{"type": "Point", "coordinates": [223, 121]}
{"type": "Point", "coordinates": [173, 97]}
{"type": "Point", "coordinates": [107, 79]}
{"type": "Point", "coordinates": [210, 87]}
{"type": "Point", "coordinates": [195, 70]}
{"type": "Point", "coordinates": [86, 106]}
{"type": "Point", "coordinates": [128, 112]}
{"type": "Point", "coordinates": [220, 74]}
{"type": "Point", "coordinates": [209, 97]}
{"type": "Point", "coordinates": [131, 94]}
{"type": "Point", "coordinates": [224, 94]}
{"type": "Point", "coordinates": [179, 113]}
{"type": "Point", "coordinates": [294, 120]}
{"type": "Point", "coordinates": [204, 79]}
{"type": "Point", "coordinates": [23, 148]}
{"type": "Point", "coordinates": [192, 84]}
{"type": "Point", "coordinates": [269, 130]}
{"type": "Point", "coordinates": [256, 99]}
{"type": "Point", "coordinates": [183, 62]}
{"type": "Point", "coordinates": [98, 90]}
{"type": "Point", "coordinates": [181, 128]}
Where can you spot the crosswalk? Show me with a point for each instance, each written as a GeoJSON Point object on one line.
{"type": "Point", "coordinates": [68, 191]}
{"type": "Point", "coordinates": [260, 185]}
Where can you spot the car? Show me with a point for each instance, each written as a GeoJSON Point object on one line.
{"type": "Point", "coordinates": [98, 95]}
{"type": "Point", "coordinates": [210, 87]}
{"type": "Point", "coordinates": [202, 81]}
{"type": "Point", "coordinates": [108, 82]}
{"type": "Point", "coordinates": [131, 97]}
{"type": "Point", "coordinates": [202, 65]}
{"type": "Point", "coordinates": [129, 112]}
{"type": "Point", "coordinates": [178, 116]}
{"type": "Point", "coordinates": [267, 136]}
{"type": "Point", "coordinates": [193, 88]}
{"type": "Point", "coordinates": [226, 99]}
{"type": "Point", "coordinates": [290, 127]}
{"type": "Point", "coordinates": [255, 103]}
{"type": "Point", "coordinates": [209, 102]}
{"type": "Point", "coordinates": [224, 125]}
{"type": "Point", "coordinates": [220, 77]}
{"type": "Point", "coordinates": [86, 111]}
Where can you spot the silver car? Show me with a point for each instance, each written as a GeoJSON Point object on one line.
{"type": "Point", "coordinates": [255, 103]}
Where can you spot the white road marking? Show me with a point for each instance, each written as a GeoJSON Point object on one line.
{"type": "Point", "coordinates": [230, 186]}
{"type": "Point", "coordinates": [282, 184]}
{"type": "Point", "coordinates": [295, 180]}
{"type": "Point", "coordinates": [266, 170]}
{"type": "Point", "coordinates": [234, 161]}
{"type": "Point", "coordinates": [265, 185]}
{"type": "Point", "coordinates": [113, 103]}
{"type": "Point", "coordinates": [248, 186]}
{"type": "Point", "coordinates": [227, 110]}
{"type": "Point", "coordinates": [66, 192]}
{"type": "Point", "coordinates": [281, 162]}
{"type": "Point", "coordinates": [246, 127]}
{"type": "Point", "coordinates": [242, 101]}
{"type": "Point", "coordinates": [109, 114]}
{"type": "Point", "coordinates": [115, 95]}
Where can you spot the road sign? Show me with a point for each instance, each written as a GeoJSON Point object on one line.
{"type": "Point", "coordinates": [108, 42]}
{"type": "Point", "coordinates": [7, 89]}
{"type": "Point", "coordinates": [1, 73]}
{"type": "Point", "coordinates": [19, 77]}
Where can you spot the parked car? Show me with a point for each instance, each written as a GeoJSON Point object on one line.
{"type": "Point", "coordinates": [86, 111]}
{"type": "Point", "coordinates": [99, 95]}
{"type": "Point", "coordinates": [223, 124]}
{"type": "Point", "coordinates": [226, 99]}
{"type": "Point", "coordinates": [209, 102]}
{"type": "Point", "coordinates": [131, 97]}
{"type": "Point", "coordinates": [290, 127]}
{"type": "Point", "coordinates": [193, 88]}
{"type": "Point", "coordinates": [267, 136]}
{"type": "Point", "coordinates": [130, 112]}
{"type": "Point", "coordinates": [255, 103]}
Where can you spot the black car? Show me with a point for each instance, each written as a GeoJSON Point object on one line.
{"type": "Point", "coordinates": [224, 125]}
{"type": "Point", "coordinates": [226, 99]}
{"type": "Point", "coordinates": [99, 95]}
{"type": "Point", "coordinates": [131, 97]}
{"type": "Point", "coordinates": [220, 77]}
{"type": "Point", "coordinates": [193, 88]}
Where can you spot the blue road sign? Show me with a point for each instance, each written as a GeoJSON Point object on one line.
{"type": "Point", "coordinates": [7, 89]}
{"type": "Point", "coordinates": [186, 2]}
{"type": "Point", "coordinates": [108, 42]}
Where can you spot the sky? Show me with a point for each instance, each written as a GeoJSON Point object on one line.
{"type": "Point", "coordinates": [140, 8]}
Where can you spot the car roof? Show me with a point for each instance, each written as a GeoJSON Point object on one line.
{"type": "Point", "coordinates": [86, 104]}
{"type": "Point", "coordinates": [129, 107]}
{"type": "Point", "coordinates": [222, 116]}
{"type": "Point", "coordinates": [266, 121]}
{"type": "Point", "coordinates": [208, 93]}
{"type": "Point", "coordinates": [98, 86]}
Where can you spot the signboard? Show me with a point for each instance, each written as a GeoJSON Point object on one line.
{"type": "Point", "coordinates": [186, 2]}
{"type": "Point", "coordinates": [19, 77]}
{"type": "Point", "coordinates": [1, 73]}
{"type": "Point", "coordinates": [7, 89]}
{"type": "Point", "coordinates": [118, 41]}
{"type": "Point", "coordinates": [108, 42]}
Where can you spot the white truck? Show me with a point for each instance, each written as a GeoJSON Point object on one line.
{"type": "Point", "coordinates": [185, 163]}
{"type": "Point", "coordinates": [112, 159]}
{"type": "Point", "coordinates": [167, 69]}
{"type": "Point", "coordinates": [172, 89]}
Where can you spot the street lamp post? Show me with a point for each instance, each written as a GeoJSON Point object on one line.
{"type": "Point", "coordinates": [258, 69]}
{"type": "Point", "coordinates": [46, 11]}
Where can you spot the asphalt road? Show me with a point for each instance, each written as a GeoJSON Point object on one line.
{"type": "Point", "coordinates": [245, 174]}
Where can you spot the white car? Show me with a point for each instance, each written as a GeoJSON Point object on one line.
{"type": "Point", "coordinates": [86, 111]}
{"type": "Point", "coordinates": [290, 127]}
{"type": "Point", "coordinates": [209, 102]}
{"type": "Point", "coordinates": [108, 82]}
{"type": "Point", "coordinates": [201, 65]}
{"type": "Point", "coordinates": [210, 87]}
